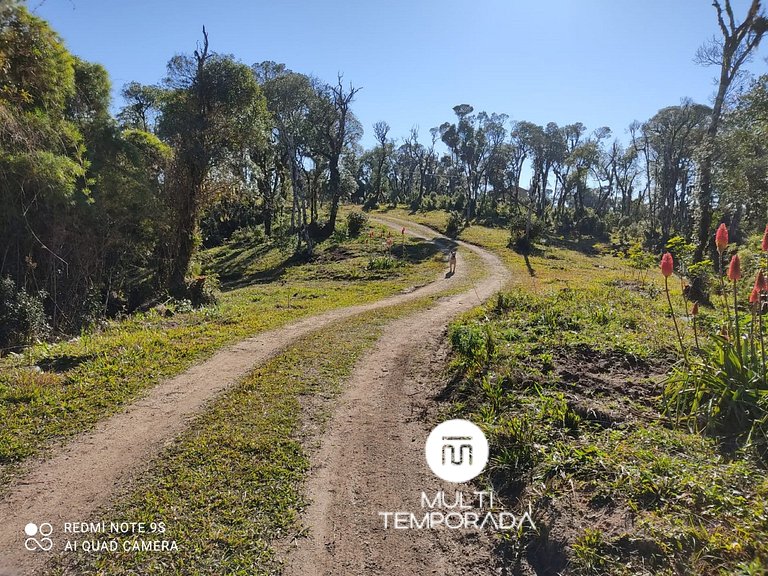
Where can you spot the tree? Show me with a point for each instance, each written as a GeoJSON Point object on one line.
{"type": "Point", "coordinates": [673, 135]}
{"type": "Point", "coordinates": [291, 97]}
{"type": "Point", "coordinates": [382, 152]}
{"type": "Point", "coordinates": [742, 175]}
{"type": "Point", "coordinates": [473, 141]}
{"type": "Point", "coordinates": [213, 111]}
{"type": "Point", "coordinates": [142, 106]}
{"type": "Point", "coordinates": [730, 52]}
{"type": "Point", "coordinates": [337, 129]}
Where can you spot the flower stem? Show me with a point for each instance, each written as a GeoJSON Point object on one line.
{"type": "Point", "coordinates": [736, 320]}
{"type": "Point", "coordinates": [762, 340]}
{"type": "Point", "coordinates": [696, 335]}
{"type": "Point", "coordinates": [674, 319]}
{"type": "Point", "coordinates": [723, 292]}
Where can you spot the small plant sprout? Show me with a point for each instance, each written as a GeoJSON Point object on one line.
{"type": "Point", "coordinates": [667, 267]}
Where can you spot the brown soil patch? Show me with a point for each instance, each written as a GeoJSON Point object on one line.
{"type": "Point", "coordinates": [610, 388]}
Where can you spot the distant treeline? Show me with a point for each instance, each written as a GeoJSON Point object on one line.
{"type": "Point", "coordinates": [104, 214]}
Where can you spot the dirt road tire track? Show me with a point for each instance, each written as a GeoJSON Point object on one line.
{"type": "Point", "coordinates": [371, 458]}
{"type": "Point", "coordinates": [84, 474]}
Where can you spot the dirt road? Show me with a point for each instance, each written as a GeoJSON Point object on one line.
{"type": "Point", "coordinates": [371, 458]}
{"type": "Point", "coordinates": [84, 474]}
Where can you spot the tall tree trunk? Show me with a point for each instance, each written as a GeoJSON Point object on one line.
{"type": "Point", "coordinates": [738, 42]}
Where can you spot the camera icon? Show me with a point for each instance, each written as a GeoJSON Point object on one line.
{"type": "Point", "coordinates": [44, 530]}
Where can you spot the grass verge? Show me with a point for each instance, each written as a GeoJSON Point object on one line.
{"type": "Point", "coordinates": [567, 385]}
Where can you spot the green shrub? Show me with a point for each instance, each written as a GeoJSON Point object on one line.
{"type": "Point", "coordinates": [356, 222]}
{"type": "Point", "coordinates": [203, 290]}
{"type": "Point", "coordinates": [382, 263]}
{"type": "Point", "coordinates": [22, 316]}
{"type": "Point", "coordinates": [470, 343]}
{"type": "Point", "coordinates": [455, 224]}
{"type": "Point", "coordinates": [517, 227]}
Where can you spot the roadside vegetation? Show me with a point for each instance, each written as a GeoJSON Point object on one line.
{"type": "Point", "coordinates": [634, 458]}
{"type": "Point", "coordinates": [53, 390]}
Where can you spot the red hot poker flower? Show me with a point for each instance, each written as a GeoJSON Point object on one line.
{"type": "Point", "coordinates": [721, 238]}
{"type": "Point", "coordinates": [734, 269]}
{"type": "Point", "coordinates": [667, 265]}
{"type": "Point", "coordinates": [761, 282]}
{"type": "Point", "coordinates": [695, 309]}
{"type": "Point", "coordinates": [754, 297]}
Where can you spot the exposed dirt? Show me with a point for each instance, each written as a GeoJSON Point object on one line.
{"type": "Point", "coordinates": [371, 458]}
{"type": "Point", "coordinates": [83, 475]}
{"type": "Point", "coordinates": [610, 388]}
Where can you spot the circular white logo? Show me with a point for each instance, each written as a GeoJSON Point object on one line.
{"type": "Point", "coordinates": [456, 451]}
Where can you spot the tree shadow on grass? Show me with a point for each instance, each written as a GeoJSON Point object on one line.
{"type": "Point", "coordinates": [64, 363]}
{"type": "Point", "coordinates": [233, 268]}
{"type": "Point", "coordinates": [526, 249]}
{"type": "Point", "coordinates": [583, 244]}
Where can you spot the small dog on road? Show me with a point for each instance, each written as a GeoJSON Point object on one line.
{"type": "Point", "coordinates": [452, 262]}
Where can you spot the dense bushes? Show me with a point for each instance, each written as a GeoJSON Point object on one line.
{"type": "Point", "coordinates": [455, 224]}
{"type": "Point", "coordinates": [22, 317]}
{"type": "Point", "coordinates": [356, 222]}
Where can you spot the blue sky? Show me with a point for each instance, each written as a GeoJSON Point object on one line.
{"type": "Point", "coordinates": [600, 62]}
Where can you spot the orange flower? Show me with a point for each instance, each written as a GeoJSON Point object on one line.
{"type": "Point", "coordinates": [667, 265]}
{"type": "Point", "coordinates": [761, 282]}
{"type": "Point", "coordinates": [765, 239]}
{"type": "Point", "coordinates": [754, 297]}
{"type": "Point", "coordinates": [721, 238]}
{"type": "Point", "coordinates": [734, 269]}
{"type": "Point", "coordinates": [695, 309]}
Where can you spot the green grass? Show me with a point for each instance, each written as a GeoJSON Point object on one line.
{"type": "Point", "coordinates": [553, 263]}
{"type": "Point", "coordinates": [563, 371]}
{"type": "Point", "coordinates": [90, 377]}
{"type": "Point", "coordinates": [229, 489]}
{"type": "Point", "coordinates": [566, 384]}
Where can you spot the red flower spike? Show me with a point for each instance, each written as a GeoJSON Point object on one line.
{"type": "Point", "coordinates": [695, 309]}
{"type": "Point", "coordinates": [721, 238]}
{"type": "Point", "coordinates": [754, 297]}
{"type": "Point", "coordinates": [667, 265]}
{"type": "Point", "coordinates": [734, 269]}
{"type": "Point", "coordinates": [761, 282]}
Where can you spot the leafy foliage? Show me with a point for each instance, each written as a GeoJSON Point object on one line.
{"type": "Point", "coordinates": [356, 223]}
{"type": "Point", "coordinates": [22, 318]}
